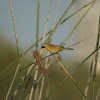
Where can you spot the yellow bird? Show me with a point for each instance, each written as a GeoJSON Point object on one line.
{"type": "Point", "coordinates": [57, 48]}
{"type": "Point", "coordinates": [53, 48]}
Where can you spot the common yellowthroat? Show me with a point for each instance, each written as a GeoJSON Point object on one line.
{"type": "Point", "coordinates": [54, 48]}
{"type": "Point", "coordinates": [57, 48]}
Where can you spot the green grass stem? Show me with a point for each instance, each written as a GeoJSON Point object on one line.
{"type": "Point", "coordinates": [17, 43]}
{"type": "Point", "coordinates": [95, 66]}
{"type": "Point", "coordinates": [37, 29]}
{"type": "Point", "coordinates": [89, 78]}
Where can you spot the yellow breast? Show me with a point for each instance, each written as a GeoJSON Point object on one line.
{"type": "Point", "coordinates": [54, 48]}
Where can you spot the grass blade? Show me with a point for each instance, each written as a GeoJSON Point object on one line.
{"type": "Point", "coordinates": [15, 29]}
{"type": "Point", "coordinates": [47, 21]}
{"type": "Point", "coordinates": [23, 79]}
{"type": "Point", "coordinates": [37, 30]}
{"type": "Point", "coordinates": [70, 77]}
{"type": "Point", "coordinates": [89, 77]}
{"type": "Point", "coordinates": [36, 71]}
{"type": "Point", "coordinates": [56, 14]}
{"type": "Point", "coordinates": [32, 88]}
{"type": "Point", "coordinates": [77, 24]}
{"type": "Point", "coordinates": [17, 43]}
{"type": "Point", "coordinates": [77, 11]}
{"type": "Point", "coordinates": [95, 66]}
{"type": "Point", "coordinates": [41, 89]}
{"type": "Point", "coordinates": [59, 22]}
{"type": "Point", "coordinates": [35, 78]}
{"type": "Point", "coordinates": [29, 79]}
{"type": "Point", "coordinates": [13, 78]}
{"type": "Point", "coordinates": [49, 39]}
{"type": "Point", "coordinates": [48, 87]}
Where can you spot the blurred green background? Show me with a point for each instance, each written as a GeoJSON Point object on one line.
{"type": "Point", "coordinates": [25, 19]}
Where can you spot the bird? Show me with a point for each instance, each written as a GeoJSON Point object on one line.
{"type": "Point", "coordinates": [54, 48]}
{"type": "Point", "coordinates": [57, 48]}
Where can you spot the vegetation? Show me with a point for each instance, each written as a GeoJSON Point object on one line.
{"type": "Point", "coordinates": [43, 79]}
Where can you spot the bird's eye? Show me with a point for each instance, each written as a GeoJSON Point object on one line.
{"type": "Point", "coordinates": [42, 46]}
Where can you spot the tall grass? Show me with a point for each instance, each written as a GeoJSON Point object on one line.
{"type": "Point", "coordinates": [17, 43]}
{"type": "Point", "coordinates": [37, 83]}
{"type": "Point", "coordinates": [95, 64]}
{"type": "Point", "coordinates": [10, 65]}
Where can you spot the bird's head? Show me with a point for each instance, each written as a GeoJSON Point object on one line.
{"type": "Point", "coordinates": [43, 46]}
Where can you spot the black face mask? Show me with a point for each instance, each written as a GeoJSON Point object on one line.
{"type": "Point", "coordinates": [42, 46]}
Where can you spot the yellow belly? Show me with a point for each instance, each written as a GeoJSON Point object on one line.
{"type": "Point", "coordinates": [54, 48]}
